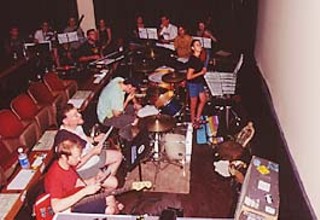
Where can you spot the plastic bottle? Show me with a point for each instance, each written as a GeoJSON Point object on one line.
{"type": "Point", "coordinates": [23, 159]}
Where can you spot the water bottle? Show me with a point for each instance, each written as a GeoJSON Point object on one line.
{"type": "Point", "coordinates": [23, 159]}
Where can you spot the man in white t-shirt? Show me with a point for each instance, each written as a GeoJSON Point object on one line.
{"type": "Point", "coordinates": [168, 32]}
{"type": "Point", "coordinates": [93, 158]}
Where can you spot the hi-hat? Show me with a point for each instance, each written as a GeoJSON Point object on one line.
{"type": "Point", "coordinates": [174, 77]}
{"type": "Point", "coordinates": [159, 123]}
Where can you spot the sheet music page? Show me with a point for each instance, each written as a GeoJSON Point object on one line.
{"type": "Point", "coordinates": [7, 201]}
{"type": "Point", "coordinates": [152, 33]}
{"type": "Point", "coordinates": [62, 38]}
{"type": "Point", "coordinates": [143, 33]}
{"type": "Point", "coordinates": [67, 37]}
{"type": "Point", "coordinates": [45, 143]}
{"type": "Point", "coordinates": [199, 39]}
{"type": "Point", "coordinates": [77, 103]}
{"type": "Point", "coordinates": [82, 94]}
{"type": "Point", "coordinates": [21, 180]}
{"type": "Point", "coordinates": [72, 36]}
{"type": "Point", "coordinates": [206, 42]}
{"type": "Point", "coordinates": [214, 83]}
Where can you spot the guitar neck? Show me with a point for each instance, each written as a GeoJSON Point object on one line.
{"type": "Point", "coordinates": [105, 137]}
{"type": "Point", "coordinates": [91, 198]}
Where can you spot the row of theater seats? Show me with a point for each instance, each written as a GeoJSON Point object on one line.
{"type": "Point", "coordinates": [30, 115]}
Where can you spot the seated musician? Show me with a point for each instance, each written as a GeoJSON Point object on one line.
{"type": "Point", "coordinates": [67, 189]}
{"type": "Point", "coordinates": [182, 45]}
{"type": "Point", "coordinates": [93, 158]}
{"type": "Point", "coordinates": [113, 108]}
{"type": "Point", "coordinates": [89, 50]}
{"type": "Point", "coordinates": [168, 31]}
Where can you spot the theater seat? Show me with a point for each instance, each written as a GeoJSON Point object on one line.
{"type": "Point", "coordinates": [43, 96]}
{"type": "Point", "coordinates": [56, 84]}
{"type": "Point", "coordinates": [8, 163]}
{"type": "Point", "coordinates": [27, 109]}
{"type": "Point", "coordinates": [14, 133]}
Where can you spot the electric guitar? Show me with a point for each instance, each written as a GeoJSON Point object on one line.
{"type": "Point", "coordinates": [42, 207]}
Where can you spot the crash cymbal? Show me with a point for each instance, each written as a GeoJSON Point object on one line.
{"type": "Point", "coordinates": [174, 77]}
{"type": "Point", "coordinates": [159, 123]}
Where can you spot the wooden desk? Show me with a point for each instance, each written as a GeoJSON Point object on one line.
{"type": "Point", "coordinates": [20, 194]}
{"type": "Point", "coordinates": [94, 84]}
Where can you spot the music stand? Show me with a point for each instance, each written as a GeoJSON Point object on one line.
{"type": "Point", "coordinates": [68, 37]}
{"type": "Point", "coordinates": [204, 41]}
{"type": "Point", "coordinates": [148, 33]}
{"type": "Point", "coordinates": [223, 84]}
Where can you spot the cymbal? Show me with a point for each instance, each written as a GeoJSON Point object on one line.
{"type": "Point", "coordinates": [159, 123]}
{"type": "Point", "coordinates": [144, 67]}
{"type": "Point", "coordinates": [174, 77]}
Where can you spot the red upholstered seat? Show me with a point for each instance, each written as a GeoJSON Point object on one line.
{"type": "Point", "coordinates": [8, 162]}
{"type": "Point", "coordinates": [11, 126]}
{"type": "Point", "coordinates": [43, 96]}
{"type": "Point", "coordinates": [53, 81]}
{"type": "Point", "coordinates": [27, 109]}
{"type": "Point", "coordinates": [14, 133]}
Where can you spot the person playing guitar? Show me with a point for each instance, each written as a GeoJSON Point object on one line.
{"type": "Point", "coordinates": [66, 191]}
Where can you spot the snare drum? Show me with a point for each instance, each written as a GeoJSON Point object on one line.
{"type": "Point", "coordinates": [174, 145]}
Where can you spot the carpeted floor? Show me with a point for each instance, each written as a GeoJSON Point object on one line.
{"type": "Point", "coordinates": [165, 175]}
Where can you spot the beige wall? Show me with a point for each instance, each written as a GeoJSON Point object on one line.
{"type": "Point", "coordinates": [288, 54]}
{"type": "Point", "coordinates": [85, 7]}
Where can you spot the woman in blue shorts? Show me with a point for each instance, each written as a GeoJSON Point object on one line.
{"type": "Point", "coordinates": [195, 83]}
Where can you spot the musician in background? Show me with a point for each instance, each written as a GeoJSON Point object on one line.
{"type": "Point", "coordinates": [46, 34]}
{"type": "Point", "coordinates": [195, 83]}
{"type": "Point", "coordinates": [67, 189]}
{"type": "Point", "coordinates": [168, 31]}
{"type": "Point", "coordinates": [89, 50]}
{"type": "Point", "coordinates": [113, 108]}
{"type": "Point", "coordinates": [104, 36]}
{"type": "Point", "coordinates": [139, 23]}
{"type": "Point", "coordinates": [13, 45]}
{"type": "Point", "coordinates": [182, 43]}
{"type": "Point", "coordinates": [73, 25]}
{"type": "Point", "coordinates": [204, 32]}
{"type": "Point", "coordinates": [93, 157]}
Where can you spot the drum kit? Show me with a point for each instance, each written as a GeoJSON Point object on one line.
{"type": "Point", "coordinates": [163, 107]}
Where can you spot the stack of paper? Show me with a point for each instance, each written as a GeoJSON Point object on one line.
{"type": "Point", "coordinates": [21, 180]}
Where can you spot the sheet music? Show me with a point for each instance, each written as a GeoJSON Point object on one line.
{"type": "Point", "coordinates": [7, 200]}
{"type": "Point", "coordinates": [21, 180]}
{"type": "Point", "coordinates": [82, 94]}
{"type": "Point", "coordinates": [148, 33]}
{"type": "Point", "coordinates": [67, 37]}
{"type": "Point", "coordinates": [152, 33]}
{"type": "Point", "coordinates": [204, 41]}
{"type": "Point", "coordinates": [143, 33]}
{"type": "Point", "coordinates": [45, 143]}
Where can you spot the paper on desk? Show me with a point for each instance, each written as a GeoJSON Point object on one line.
{"type": "Point", "coordinates": [76, 102]}
{"type": "Point", "coordinates": [21, 180]}
{"type": "Point", "coordinates": [46, 141]}
{"type": "Point", "coordinates": [7, 201]}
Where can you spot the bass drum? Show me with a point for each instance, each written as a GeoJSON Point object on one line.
{"type": "Point", "coordinates": [174, 146]}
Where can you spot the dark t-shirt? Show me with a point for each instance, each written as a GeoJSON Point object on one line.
{"type": "Point", "coordinates": [87, 49]}
{"type": "Point", "coordinates": [196, 64]}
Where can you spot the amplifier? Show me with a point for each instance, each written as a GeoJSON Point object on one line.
{"type": "Point", "coordinates": [136, 149]}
